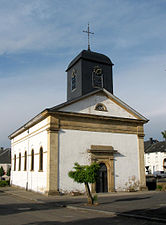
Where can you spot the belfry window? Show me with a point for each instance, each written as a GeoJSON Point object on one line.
{"type": "Point", "coordinates": [32, 160]}
{"type": "Point", "coordinates": [73, 80]}
{"type": "Point", "coordinates": [41, 159]}
{"type": "Point", "coordinates": [101, 107]}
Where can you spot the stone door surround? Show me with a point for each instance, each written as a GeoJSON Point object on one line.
{"type": "Point", "coordinates": [104, 154]}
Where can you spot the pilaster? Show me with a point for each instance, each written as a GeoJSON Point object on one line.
{"type": "Point", "coordinates": [52, 158]}
{"type": "Point", "coordinates": [141, 159]}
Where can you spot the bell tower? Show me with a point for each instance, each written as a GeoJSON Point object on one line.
{"type": "Point", "coordinates": [87, 72]}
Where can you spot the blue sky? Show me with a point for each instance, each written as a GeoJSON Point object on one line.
{"type": "Point", "coordinates": [38, 39]}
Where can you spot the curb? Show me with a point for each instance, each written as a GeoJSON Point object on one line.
{"type": "Point", "coordinates": [31, 199]}
{"type": "Point", "coordinates": [91, 210]}
{"type": "Point", "coordinates": [23, 197]}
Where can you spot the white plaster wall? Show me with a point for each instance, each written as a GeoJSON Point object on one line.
{"type": "Point", "coordinates": [31, 130]}
{"type": "Point", "coordinates": [155, 161]}
{"type": "Point", "coordinates": [34, 180]}
{"type": "Point", "coordinates": [88, 104]}
{"type": "Point", "coordinates": [73, 146]}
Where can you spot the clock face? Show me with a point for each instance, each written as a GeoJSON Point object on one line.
{"type": "Point", "coordinates": [97, 77]}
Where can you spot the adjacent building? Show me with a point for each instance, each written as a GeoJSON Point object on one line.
{"type": "Point", "coordinates": [5, 158]}
{"type": "Point", "coordinates": [155, 156]}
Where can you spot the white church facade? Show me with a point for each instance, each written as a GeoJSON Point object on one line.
{"type": "Point", "coordinates": [92, 126]}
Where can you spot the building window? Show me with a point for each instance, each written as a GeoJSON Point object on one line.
{"type": "Point", "coordinates": [14, 162]}
{"type": "Point", "coordinates": [73, 80]}
{"type": "Point", "coordinates": [41, 159]}
{"type": "Point", "coordinates": [19, 162]}
{"type": "Point", "coordinates": [32, 160]}
{"type": "Point", "coordinates": [25, 161]}
{"type": "Point", "coordinates": [101, 107]}
{"type": "Point", "coordinates": [164, 164]}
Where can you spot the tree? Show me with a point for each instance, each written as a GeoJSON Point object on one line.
{"type": "Point", "coordinates": [164, 134]}
{"type": "Point", "coordinates": [8, 172]}
{"type": "Point", "coordinates": [2, 172]}
{"type": "Point", "coordinates": [85, 174]}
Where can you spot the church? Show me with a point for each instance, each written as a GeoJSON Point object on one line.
{"type": "Point", "coordinates": [93, 125]}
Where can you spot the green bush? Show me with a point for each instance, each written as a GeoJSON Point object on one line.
{"type": "Point", "coordinates": [95, 198]}
{"type": "Point", "coordinates": [2, 172]}
{"type": "Point", "coordinates": [8, 172]}
{"type": "Point", "coordinates": [159, 187]}
{"type": "Point", "coordinates": [4, 183]}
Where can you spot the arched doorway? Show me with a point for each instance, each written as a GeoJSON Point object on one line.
{"type": "Point", "coordinates": [102, 183]}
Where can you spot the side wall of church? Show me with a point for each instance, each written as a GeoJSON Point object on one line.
{"type": "Point", "coordinates": [34, 138]}
{"type": "Point", "coordinates": [73, 147]}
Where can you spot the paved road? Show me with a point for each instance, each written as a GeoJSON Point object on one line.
{"type": "Point", "coordinates": [152, 204]}
{"type": "Point", "coordinates": [16, 210]}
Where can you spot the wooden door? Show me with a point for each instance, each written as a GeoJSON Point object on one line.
{"type": "Point", "coordinates": [102, 183]}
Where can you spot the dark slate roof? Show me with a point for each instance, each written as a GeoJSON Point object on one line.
{"type": "Point", "coordinates": [92, 56]}
{"type": "Point", "coordinates": [5, 156]}
{"type": "Point", "coordinates": [156, 147]}
{"type": "Point", "coordinates": [149, 143]}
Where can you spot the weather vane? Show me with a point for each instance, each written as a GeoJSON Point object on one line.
{"type": "Point", "coordinates": [88, 32]}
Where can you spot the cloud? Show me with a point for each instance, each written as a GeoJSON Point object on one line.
{"type": "Point", "coordinates": [145, 78]}
{"type": "Point", "coordinates": [142, 86]}
{"type": "Point", "coordinates": [24, 96]}
{"type": "Point", "coordinates": [38, 25]}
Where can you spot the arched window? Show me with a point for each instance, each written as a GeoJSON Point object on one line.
{"type": "Point", "coordinates": [41, 159]}
{"type": "Point", "coordinates": [73, 80]}
{"type": "Point", "coordinates": [25, 160]}
{"type": "Point", "coordinates": [14, 162]}
{"type": "Point", "coordinates": [32, 160]}
{"type": "Point", "coordinates": [101, 107]}
{"type": "Point", "coordinates": [19, 162]}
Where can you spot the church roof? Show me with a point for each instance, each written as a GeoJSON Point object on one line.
{"type": "Point", "coordinates": [5, 156]}
{"type": "Point", "coordinates": [92, 56]}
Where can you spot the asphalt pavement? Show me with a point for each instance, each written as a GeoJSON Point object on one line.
{"type": "Point", "coordinates": [146, 207]}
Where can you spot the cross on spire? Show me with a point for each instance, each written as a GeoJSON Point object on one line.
{"type": "Point", "coordinates": [88, 32]}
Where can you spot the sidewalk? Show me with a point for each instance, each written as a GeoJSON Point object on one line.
{"type": "Point", "coordinates": [144, 205]}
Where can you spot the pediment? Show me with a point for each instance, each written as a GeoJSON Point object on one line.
{"type": "Point", "coordinates": [101, 103]}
